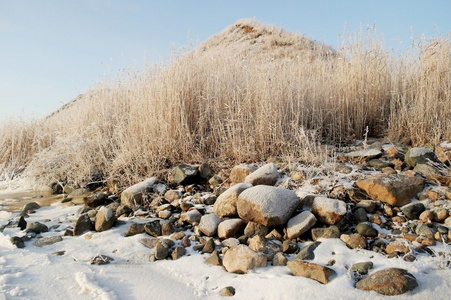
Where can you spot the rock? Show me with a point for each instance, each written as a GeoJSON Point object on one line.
{"type": "Point", "coordinates": [78, 192]}
{"type": "Point", "coordinates": [300, 223]}
{"type": "Point", "coordinates": [267, 205]}
{"type": "Point", "coordinates": [424, 230]}
{"type": "Point", "coordinates": [368, 205]}
{"type": "Point", "coordinates": [192, 217]}
{"type": "Point", "coordinates": [228, 291]}
{"type": "Point", "coordinates": [420, 156]}
{"type": "Point", "coordinates": [209, 246]}
{"type": "Point", "coordinates": [22, 224]}
{"type": "Point", "coordinates": [37, 227]}
{"type": "Point", "coordinates": [149, 242]}
{"type": "Point", "coordinates": [427, 217]}
{"type": "Point", "coordinates": [332, 232]}
{"type": "Point", "coordinates": [209, 224]}
{"type": "Point", "coordinates": [46, 241]}
{"type": "Point", "coordinates": [274, 234]}
{"type": "Point", "coordinates": [153, 228]}
{"type": "Point", "coordinates": [267, 247]}
{"type": "Point", "coordinates": [105, 219]}
{"type": "Point", "coordinates": [95, 200]}
{"type": "Point", "coordinates": [230, 228]}
{"type": "Point", "coordinates": [279, 259]}
{"type": "Point", "coordinates": [390, 282]}
{"type": "Point", "coordinates": [239, 173]}
{"type": "Point", "coordinates": [123, 210]}
{"type": "Point", "coordinates": [428, 171]}
{"type": "Point", "coordinates": [413, 211]}
{"type": "Point", "coordinates": [186, 206]}
{"type": "Point", "coordinates": [265, 175]}
{"type": "Point", "coordinates": [31, 206]}
{"type": "Point", "coordinates": [253, 229]}
{"type": "Point", "coordinates": [101, 260]}
{"type": "Point", "coordinates": [307, 253]}
{"type": "Point", "coordinates": [397, 246]}
{"type": "Point", "coordinates": [379, 164]}
{"type": "Point", "coordinates": [329, 211]}
{"type": "Point", "coordinates": [225, 204]}
{"type": "Point", "coordinates": [133, 195]}
{"type": "Point", "coordinates": [135, 228]}
{"type": "Point", "coordinates": [366, 229]}
{"type": "Point", "coordinates": [178, 252]}
{"type": "Point", "coordinates": [172, 195]}
{"type": "Point", "coordinates": [230, 242]}
{"type": "Point", "coordinates": [364, 154]}
{"type": "Point", "coordinates": [440, 214]}
{"type": "Point", "coordinates": [56, 188]}
{"type": "Point", "coordinates": [82, 225]}
{"type": "Point", "coordinates": [161, 250]}
{"type": "Point", "coordinates": [443, 151]}
{"type": "Point", "coordinates": [17, 241]}
{"type": "Point", "coordinates": [396, 190]}
{"type": "Point", "coordinates": [360, 215]}
{"type": "Point", "coordinates": [356, 241]}
{"type": "Point", "coordinates": [168, 228]}
{"type": "Point", "coordinates": [240, 259]}
{"type": "Point", "coordinates": [205, 171]}
{"type": "Point", "coordinates": [214, 259]}
{"type": "Point", "coordinates": [310, 270]}
{"type": "Point", "coordinates": [185, 174]}
{"type": "Point", "coordinates": [362, 268]}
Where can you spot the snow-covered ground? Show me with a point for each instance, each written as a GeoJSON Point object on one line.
{"type": "Point", "coordinates": [35, 273]}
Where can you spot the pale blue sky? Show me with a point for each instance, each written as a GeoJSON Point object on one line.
{"type": "Point", "coordinates": [51, 51]}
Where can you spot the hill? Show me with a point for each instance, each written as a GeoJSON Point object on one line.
{"type": "Point", "coordinates": [250, 92]}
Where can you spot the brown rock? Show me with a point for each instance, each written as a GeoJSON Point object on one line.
{"type": "Point", "coordinates": [317, 272]}
{"type": "Point", "coordinates": [332, 232]}
{"type": "Point", "coordinates": [239, 173]}
{"type": "Point", "coordinates": [240, 259]}
{"type": "Point", "coordinates": [356, 241]}
{"type": "Point", "coordinates": [214, 259]}
{"type": "Point", "coordinates": [230, 228]}
{"type": "Point", "coordinates": [388, 282]}
{"type": "Point", "coordinates": [105, 219]}
{"type": "Point", "coordinates": [397, 246]}
{"type": "Point", "coordinates": [135, 228]}
{"type": "Point", "coordinates": [427, 217]}
{"type": "Point", "coordinates": [396, 190]}
{"type": "Point", "coordinates": [329, 211]}
{"type": "Point", "coordinates": [265, 175]}
{"type": "Point", "coordinates": [225, 205]}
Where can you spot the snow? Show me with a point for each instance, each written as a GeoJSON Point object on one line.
{"type": "Point", "coordinates": [34, 273]}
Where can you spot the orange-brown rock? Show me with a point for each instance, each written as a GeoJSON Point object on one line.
{"type": "Point", "coordinates": [396, 190]}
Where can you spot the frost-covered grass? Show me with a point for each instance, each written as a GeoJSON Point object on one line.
{"type": "Point", "coordinates": [250, 92]}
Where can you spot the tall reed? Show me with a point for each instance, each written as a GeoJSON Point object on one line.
{"type": "Point", "coordinates": [250, 92]}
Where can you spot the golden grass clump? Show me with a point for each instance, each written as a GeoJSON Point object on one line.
{"type": "Point", "coordinates": [250, 92]}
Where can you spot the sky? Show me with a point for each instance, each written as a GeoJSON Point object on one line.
{"type": "Point", "coordinates": [53, 50]}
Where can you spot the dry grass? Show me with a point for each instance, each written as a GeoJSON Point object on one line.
{"type": "Point", "coordinates": [251, 92]}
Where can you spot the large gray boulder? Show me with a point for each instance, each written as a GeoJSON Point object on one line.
{"type": "Point", "coordinates": [225, 204]}
{"type": "Point", "coordinates": [267, 205]}
{"type": "Point", "coordinates": [240, 259]}
{"type": "Point", "coordinates": [265, 175]}
{"type": "Point", "coordinates": [134, 195]}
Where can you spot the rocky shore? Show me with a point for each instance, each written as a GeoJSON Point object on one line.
{"type": "Point", "coordinates": [379, 197]}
